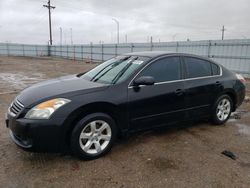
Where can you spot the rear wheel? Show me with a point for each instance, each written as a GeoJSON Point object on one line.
{"type": "Point", "coordinates": [222, 110]}
{"type": "Point", "coordinates": [93, 136]}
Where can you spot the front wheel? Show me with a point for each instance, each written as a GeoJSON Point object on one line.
{"type": "Point", "coordinates": [93, 136]}
{"type": "Point", "coordinates": [222, 110]}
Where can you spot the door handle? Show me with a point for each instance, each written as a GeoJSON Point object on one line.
{"type": "Point", "coordinates": [179, 92]}
{"type": "Point", "coordinates": [217, 83]}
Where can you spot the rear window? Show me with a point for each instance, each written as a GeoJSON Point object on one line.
{"type": "Point", "coordinates": [197, 67]}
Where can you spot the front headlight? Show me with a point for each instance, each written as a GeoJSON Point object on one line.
{"type": "Point", "coordinates": [46, 109]}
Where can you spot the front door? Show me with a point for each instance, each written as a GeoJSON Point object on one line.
{"type": "Point", "coordinates": [161, 103]}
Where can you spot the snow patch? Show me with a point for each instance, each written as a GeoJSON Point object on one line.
{"type": "Point", "coordinates": [243, 129]}
{"type": "Point", "coordinates": [20, 81]}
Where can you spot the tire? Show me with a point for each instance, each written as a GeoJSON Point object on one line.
{"type": "Point", "coordinates": [91, 130]}
{"type": "Point", "coordinates": [221, 110]}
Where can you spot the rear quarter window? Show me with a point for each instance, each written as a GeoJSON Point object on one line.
{"type": "Point", "coordinates": [215, 69]}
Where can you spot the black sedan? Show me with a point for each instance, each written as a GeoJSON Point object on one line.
{"type": "Point", "coordinates": [131, 92]}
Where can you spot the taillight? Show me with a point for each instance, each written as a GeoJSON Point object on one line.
{"type": "Point", "coordinates": [241, 78]}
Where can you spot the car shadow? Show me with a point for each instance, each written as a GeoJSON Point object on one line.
{"type": "Point", "coordinates": [172, 130]}
{"type": "Point", "coordinates": [123, 143]}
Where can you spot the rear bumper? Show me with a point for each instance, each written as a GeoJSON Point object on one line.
{"type": "Point", "coordinates": [240, 97]}
{"type": "Point", "coordinates": [37, 135]}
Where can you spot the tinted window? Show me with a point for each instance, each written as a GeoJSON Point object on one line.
{"type": "Point", "coordinates": [197, 67]}
{"type": "Point", "coordinates": [215, 69]}
{"type": "Point", "coordinates": [166, 69]}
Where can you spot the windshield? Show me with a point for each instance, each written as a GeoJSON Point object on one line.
{"type": "Point", "coordinates": [115, 70]}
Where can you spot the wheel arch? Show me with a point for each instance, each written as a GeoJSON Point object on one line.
{"type": "Point", "coordinates": [231, 93]}
{"type": "Point", "coordinates": [97, 107]}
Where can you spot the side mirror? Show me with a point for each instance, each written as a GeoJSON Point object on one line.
{"type": "Point", "coordinates": [144, 80]}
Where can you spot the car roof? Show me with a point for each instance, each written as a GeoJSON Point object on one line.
{"type": "Point", "coordinates": [155, 54]}
{"type": "Point", "coordinates": [151, 54]}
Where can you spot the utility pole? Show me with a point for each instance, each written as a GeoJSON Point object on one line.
{"type": "Point", "coordinates": [118, 29]}
{"type": "Point", "coordinates": [151, 43]}
{"type": "Point", "coordinates": [126, 38]}
{"type": "Point", "coordinates": [65, 38]}
{"type": "Point", "coordinates": [60, 36]}
{"type": "Point", "coordinates": [71, 35]}
{"type": "Point", "coordinates": [223, 31]}
{"type": "Point", "coordinates": [50, 29]}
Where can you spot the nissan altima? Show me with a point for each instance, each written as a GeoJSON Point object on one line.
{"type": "Point", "coordinates": [137, 91]}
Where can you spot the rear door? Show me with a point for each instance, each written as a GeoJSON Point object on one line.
{"type": "Point", "coordinates": [202, 85]}
{"type": "Point", "coordinates": [161, 103]}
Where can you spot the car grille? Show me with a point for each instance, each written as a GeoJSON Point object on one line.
{"type": "Point", "coordinates": [16, 107]}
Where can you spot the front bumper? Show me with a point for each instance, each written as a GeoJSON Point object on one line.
{"type": "Point", "coordinates": [37, 135]}
{"type": "Point", "coordinates": [23, 143]}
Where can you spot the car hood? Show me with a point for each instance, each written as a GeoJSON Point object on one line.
{"type": "Point", "coordinates": [60, 87]}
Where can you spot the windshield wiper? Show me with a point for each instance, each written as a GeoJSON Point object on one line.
{"type": "Point", "coordinates": [80, 74]}
{"type": "Point", "coordinates": [121, 73]}
{"type": "Point", "coordinates": [94, 79]}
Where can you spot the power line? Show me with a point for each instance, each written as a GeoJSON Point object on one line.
{"type": "Point", "coordinates": [38, 15]}
{"type": "Point", "coordinates": [50, 29]}
{"type": "Point", "coordinates": [40, 19]}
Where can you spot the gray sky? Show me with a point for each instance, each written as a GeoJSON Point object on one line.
{"type": "Point", "coordinates": [26, 21]}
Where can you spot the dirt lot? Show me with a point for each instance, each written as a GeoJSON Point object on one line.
{"type": "Point", "coordinates": [178, 157]}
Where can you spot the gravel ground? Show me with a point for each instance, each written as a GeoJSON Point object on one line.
{"type": "Point", "coordinates": [187, 156]}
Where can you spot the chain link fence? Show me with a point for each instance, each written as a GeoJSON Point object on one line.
{"type": "Point", "coordinates": [11, 49]}
{"type": "Point", "coordinates": [233, 54]}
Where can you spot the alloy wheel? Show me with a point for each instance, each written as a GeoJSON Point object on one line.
{"type": "Point", "coordinates": [95, 137]}
{"type": "Point", "coordinates": [223, 109]}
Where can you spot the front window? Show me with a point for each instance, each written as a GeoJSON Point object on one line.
{"type": "Point", "coordinates": [165, 69]}
{"type": "Point", "coordinates": [115, 70]}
